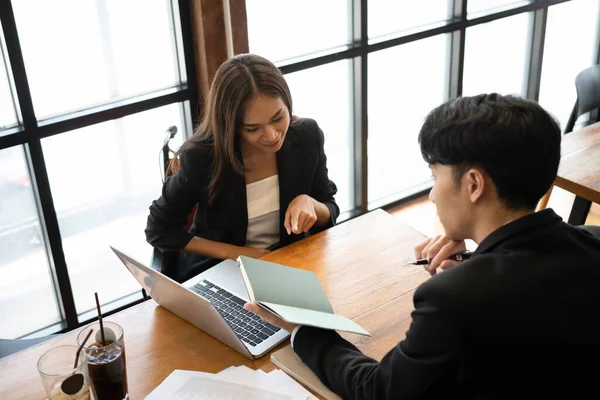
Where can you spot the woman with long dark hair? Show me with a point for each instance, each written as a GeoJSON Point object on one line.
{"type": "Point", "coordinates": [256, 173]}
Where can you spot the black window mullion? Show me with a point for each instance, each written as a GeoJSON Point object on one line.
{"type": "Point", "coordinates": [175, 25]}
{"type": "Point", "coordinates": [51, 230]}
{"type": "Point", "coordinates": [536, 54]}
{"type": "Point", "coordinates": [37, 169]}
{"type": "Point", "coordinates": [114, 110]}
{"type": "Point", "coordinates": [17, 65]}
{"type": "Point", "coordinates": [81, 119]}
{"type": "Point", "coordinates": [457, 50]}
{"type": "Point", "coordinates": [360, 104]}
{"type": "Point", "coordinates": [185, 22]}
{"type": "Point", "coordinates": [13, 137]}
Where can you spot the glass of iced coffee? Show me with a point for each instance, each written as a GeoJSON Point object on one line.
{"type": "Point", "coordinates": [62, 379]}
{"type": "Point", "coordinates": [106, 363]}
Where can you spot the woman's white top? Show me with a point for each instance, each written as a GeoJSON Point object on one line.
{"type": "Point", "coordinates": [263, 212]}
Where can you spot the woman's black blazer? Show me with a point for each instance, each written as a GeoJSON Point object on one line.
{"type": "Point", "coordinates": [302, 169]}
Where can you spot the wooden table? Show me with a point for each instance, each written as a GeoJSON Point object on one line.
{"type": "Point", "coordinates": [579, 171]}
{"type": "Point", "coordinates": [361, 264]}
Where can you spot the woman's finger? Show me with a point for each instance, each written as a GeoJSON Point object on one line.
{"type": "Point", "coordinates": [287, 222]}
{"type": "Point", "coordinates": [309, 222]}
{"type": "Point", "coordinates": [301, 220]}
{"type": "Point", "coordinates": [295, 218]}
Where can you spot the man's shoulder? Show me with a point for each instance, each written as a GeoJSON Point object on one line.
{"type": "Point", "coordinates": [462, 283]}
{"type": "Point", "coordinates": [489, 274]}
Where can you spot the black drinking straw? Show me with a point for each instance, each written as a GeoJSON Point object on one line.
{"type": "Point", "coordinates": [81, 346]}
{"type": "Point", "coordinates": [74, 383]}
{"type": "Point", "coordinates": [100, 320]}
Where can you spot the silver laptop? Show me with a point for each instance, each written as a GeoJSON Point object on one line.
{"type": "Point", "coordinates": [212, 301]}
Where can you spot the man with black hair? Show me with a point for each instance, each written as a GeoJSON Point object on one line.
{"type": "Point", "coordinates": [521, 317]}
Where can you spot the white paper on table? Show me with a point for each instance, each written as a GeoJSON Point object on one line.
{"type": "Point", "coordinates": [171, 383]}
{"type": "Point", "coordinates": [192, 385]}
{"type": "Point", "coordinates": [260, 379]}
{"type": "Point", "coordinates": [225, 370]}
{"type": "Point", "coordinates": [280, 378]}
{"type": "Point", "coordinates": [237, 374]}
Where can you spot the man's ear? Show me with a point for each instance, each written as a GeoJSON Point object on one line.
{"type": "Point", "coordinates": [476, 184]}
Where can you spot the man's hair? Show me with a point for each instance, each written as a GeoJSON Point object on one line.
{"type": "Point", "coordinates": [515, 141]}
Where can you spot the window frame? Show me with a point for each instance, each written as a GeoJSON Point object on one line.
{"type": "Point", "coordinates": [361, 46]}
{"type": "Point", "coordinates": [30, 131]}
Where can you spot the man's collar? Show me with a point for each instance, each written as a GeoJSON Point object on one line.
{"type": "Point", "coordinates": [516, 227]}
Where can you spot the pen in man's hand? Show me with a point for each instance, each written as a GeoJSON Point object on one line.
{"type": "Point", "coordinates": [455, 257]}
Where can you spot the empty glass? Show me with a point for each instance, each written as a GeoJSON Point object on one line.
{"type": "Point", "coordinates": [61, 380]}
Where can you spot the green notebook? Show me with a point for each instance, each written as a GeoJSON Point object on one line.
{"type": "Point", "coordinates": [293, 294]}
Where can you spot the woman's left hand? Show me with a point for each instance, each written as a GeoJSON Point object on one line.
{"type": "Point", "coordinates": [300, 215]}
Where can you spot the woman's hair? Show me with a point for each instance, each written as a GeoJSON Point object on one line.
{"type": "Point", "coordinates": [237, 81]}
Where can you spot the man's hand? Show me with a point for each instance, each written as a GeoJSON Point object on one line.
{"type": "Point", "coordinates": [437, 250]}
{"type": "Point", "coordinates": [300, 215]}
{"type": "Point", "coordinates": [269, 317]}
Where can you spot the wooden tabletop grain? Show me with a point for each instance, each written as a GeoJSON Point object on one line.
{"type": "Point", "coordinates": [579, 170]}
{"type": "Point", "coordinates": [362, 265]}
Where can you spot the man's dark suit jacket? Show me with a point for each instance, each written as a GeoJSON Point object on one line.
{"type": "Point", "coordinates": [521, 318]}
{"type": "Point", "coordinates": [302, 169]}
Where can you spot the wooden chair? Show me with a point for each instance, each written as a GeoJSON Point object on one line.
{"type": "Point", "coordinates": [587, 85]}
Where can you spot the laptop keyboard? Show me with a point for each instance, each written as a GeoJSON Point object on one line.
{"type": "Point", "coordinates": [248, 326]}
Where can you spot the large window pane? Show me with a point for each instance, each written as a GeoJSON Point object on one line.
{"type": "Point", "coordinates": [103, 179]}
{"type": "Point", "coordinates": [489, 6]}
{"type": "Point", "coordinates": [323, 94]}
{"type": "Point", "coordinates": [495, 56]}
{"type": "Point", "coordinates": [7, 115]}
{"type": "Point", "coordinates": [401, 94]}
{"type": "Point", "coordinates": [387, 17]}
{"type": "Point", "coordinates": [26, 283]}
{"type": "Point", "coordinates": [279, 30]}
{"type": "Point", "coordinates": [570, 47]}
{"type": "Point", "coordinates": [79, 53]}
